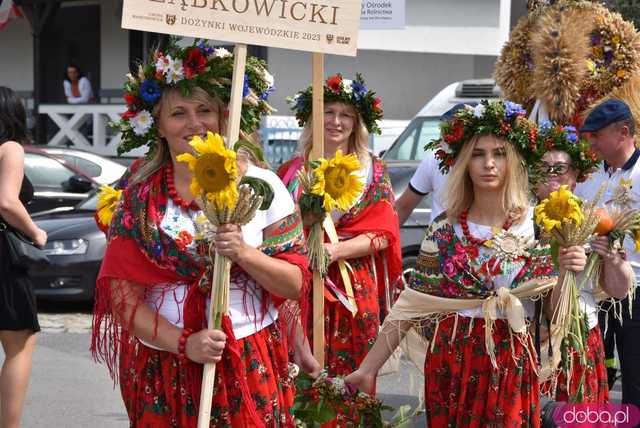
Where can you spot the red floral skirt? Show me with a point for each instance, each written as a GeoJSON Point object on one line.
{"type": "Point", "coordinates": [596, 386]}
{"type": "Point", "coordinates": [463, 389]}
{"type": "Point", "coordinates": [155, 391]}
{"type": "Point", "coordinates": [349, 338]}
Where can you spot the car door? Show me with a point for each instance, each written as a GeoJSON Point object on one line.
{"type": "Point", "coordinates": [52, 183]}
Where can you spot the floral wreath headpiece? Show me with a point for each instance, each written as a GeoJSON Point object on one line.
{"type": "Point", "coordinates": [504, 119]}
{"type": "Point", "coordinates": [197, 65]}
{"type": "Point", "coordinates": [337, 89]}
{"type": "Point", "coordinates": [552, 136]}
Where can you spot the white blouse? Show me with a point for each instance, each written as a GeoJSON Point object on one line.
{"type": "Point", "coordinates": [245, 301]}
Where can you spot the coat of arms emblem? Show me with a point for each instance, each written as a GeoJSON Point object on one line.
{"type": "Point", "coordinates": [171, 19]}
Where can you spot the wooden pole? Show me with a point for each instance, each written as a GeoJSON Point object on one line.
{"type": "Point", "coordinates": [233, 132]}
{"type": "Point", "coordinates": [317, 151]}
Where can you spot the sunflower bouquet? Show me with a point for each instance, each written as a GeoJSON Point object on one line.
{"type": "Point", "coordinates": [224, 199]}
{"type": "Point", "coordinates": [570, 222]}
{"type": "Point", "coordinates": [326, 184]}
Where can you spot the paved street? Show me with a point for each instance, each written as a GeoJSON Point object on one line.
{"type": "Point", "coordinates": [69, 390]}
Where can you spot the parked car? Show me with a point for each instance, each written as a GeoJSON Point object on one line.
{"type": "Point", "coordinates": [407, 151]}
{"type": "Point", "coordinates": [280, 135]}
{"type": "Point", "coordinates": [75, 248]}
{"type": "Point", "coordinates": [101, 169]}
{"type": "Point", "coordinates": [55, 184]}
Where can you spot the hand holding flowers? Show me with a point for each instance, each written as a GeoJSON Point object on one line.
{"type": "Point", "coordinates": [229, 242]}
{"type": "Point", "coordinates": [326, 184]}
{"type": "Point", "coordinates": [569, 222]}
{"type": "Point", "coordinates": [617, 221]}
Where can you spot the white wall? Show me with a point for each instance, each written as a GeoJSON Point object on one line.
{"type": "Point", "coordinates": [114, 49]}
{"type": "Point", "coordinates": [16, 51]}
{"type": "Point", "coordinates": [462, 27]}
{"type": "Point", "coordinates": [404, 81]}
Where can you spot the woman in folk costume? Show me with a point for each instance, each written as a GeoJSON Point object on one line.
{"type": "Point", "coordinates": [477, 273]}
{"type": "Point", "coordinates": [154, 284]}
{"type": "Point", "coordinates": [566, 159]}
{"type": "Point", "coordinates": [369, 235]}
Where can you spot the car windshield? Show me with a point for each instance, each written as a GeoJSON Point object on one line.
{"type": "Point", "coordinates": [410, 144]}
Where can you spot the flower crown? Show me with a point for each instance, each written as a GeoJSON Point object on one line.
{"type": "Point", "coordinates": [503, 119]}
{"type": "Point", "coordinates": [337, 89]}
{"type": "Point", "coordinates": [186, 68]}
{"type": "Point", "coordinates": [552, 136]}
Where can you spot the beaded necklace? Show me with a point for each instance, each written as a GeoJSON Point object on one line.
{"type": "Point", "coordinates": [173, 193]}
{"type": "Point", "coordinates": [467, 234]}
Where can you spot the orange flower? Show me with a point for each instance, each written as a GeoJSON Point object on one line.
{"type": "Point", "coordinates": [186, 237]}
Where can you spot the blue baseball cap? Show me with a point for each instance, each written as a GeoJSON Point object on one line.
{"type": "Point", "coordinates": [449, 113]}
{"type": "Point", "coordinates": [606, 113]}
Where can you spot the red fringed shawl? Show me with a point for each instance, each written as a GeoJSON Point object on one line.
{"type": "Point", "coordinates": [140, 253]}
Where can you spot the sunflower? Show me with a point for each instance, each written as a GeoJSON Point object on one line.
{"type": "Point", "coordinates": [636, 240]}
{"type": "Point", "coordinates": [561, 207]}
{"type": "Point", "coordinates": [108, 198]}
{"type": "Point", "coordinates": [336, 183]}
{"type": "Point", "coordinates": [215, 171]}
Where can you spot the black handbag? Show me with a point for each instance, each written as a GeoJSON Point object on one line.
{"type": "Point", "coordinates": [23, 253]}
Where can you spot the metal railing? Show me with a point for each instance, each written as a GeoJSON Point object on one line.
{"type": "Point", "coordinates": [279, 134]}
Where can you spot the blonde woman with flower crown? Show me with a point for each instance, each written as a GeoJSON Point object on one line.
{"type": "Point", "coordinates": [478, 270]}
{"type": "Point", "coordinates": [153, 287]}
{"type": "Point", "coordinates": [369, 237]}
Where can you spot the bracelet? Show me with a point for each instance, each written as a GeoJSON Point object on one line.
{"type": "Point", "coordinates": [182, 344]}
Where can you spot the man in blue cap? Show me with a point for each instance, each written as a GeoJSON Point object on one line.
{"type": "Point", "coordinates": [426, 179]}
{"type": "Point", "coordinates": [610, 130]}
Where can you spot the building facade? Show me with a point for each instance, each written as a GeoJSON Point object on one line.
{"type": "Point", "coordinates": [442, 42]}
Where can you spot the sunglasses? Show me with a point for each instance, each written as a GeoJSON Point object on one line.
{"type": "Point", "coordinates": [559, 168]}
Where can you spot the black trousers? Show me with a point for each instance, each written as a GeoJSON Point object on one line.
{"type": "Point", "coordinates": [630, 352]}
{"type": "Point", "coordinates": [627, 340]}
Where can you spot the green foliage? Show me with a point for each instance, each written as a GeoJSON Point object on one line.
{"type": "Point", "coordinates": [261, 188]}
{"type": "Point", "coordinates": [318, 401]}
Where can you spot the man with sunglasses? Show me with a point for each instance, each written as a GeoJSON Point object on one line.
{"type": "Point", "coordinates": [610, 130]}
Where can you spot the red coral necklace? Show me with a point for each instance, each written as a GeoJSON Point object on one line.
{"type": "Point", "coordinates": [173, 193]}
{"type": "Point", "coordinates": [467, 234]}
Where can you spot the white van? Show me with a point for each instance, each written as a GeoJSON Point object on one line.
{"type": "Point", "coordinates": [424, 127]}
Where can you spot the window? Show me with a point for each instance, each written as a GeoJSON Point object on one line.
{"type": "Point", "coordinates": [90, 168]}
{"type": "Point", "coordinates": [410, 144]}
{"type": "Point", "coordinates": [45, 172]}
{"type": "Point", "coordinates": [430, 130]}
{"type": "Point", "coordinates": [404, 146]}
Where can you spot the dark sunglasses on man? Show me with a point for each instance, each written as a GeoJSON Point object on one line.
{"type": "Point", "coordinates": [559, 168]}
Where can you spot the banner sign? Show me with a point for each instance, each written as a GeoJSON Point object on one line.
{"type": "Point", "coordinates": [382, 14]}
{"type": "Point", "coordinates": [324, 26]}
